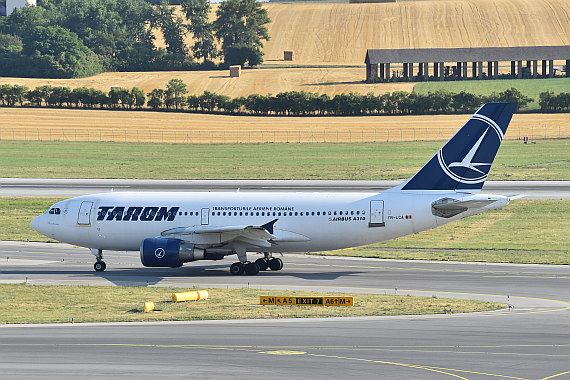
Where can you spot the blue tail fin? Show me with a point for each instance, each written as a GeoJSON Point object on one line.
{"type": "Point", "coordinates": [465, 160]}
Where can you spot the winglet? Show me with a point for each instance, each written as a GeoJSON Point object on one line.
{"type": "Point", "coordinates": [465, 160]}
{"type": "Point", "coordinates": [269, 226]}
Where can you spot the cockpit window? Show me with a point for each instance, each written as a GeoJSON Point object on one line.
{"type": "Point", "coordinates": [54, 211]}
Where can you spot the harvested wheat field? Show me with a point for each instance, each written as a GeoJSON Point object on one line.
{"type": "Point", "coordinates": [170, 127]}
{"type": "Point", "coordinates": [330, 81]}
{"type": "Point", "coordinates": [341, 33]}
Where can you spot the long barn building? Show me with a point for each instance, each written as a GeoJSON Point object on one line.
{"type": "Point", "coordinates": [484, 62]}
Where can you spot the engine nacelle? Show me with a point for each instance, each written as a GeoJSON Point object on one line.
{"type": "Point", "coordinates": [167, 252]}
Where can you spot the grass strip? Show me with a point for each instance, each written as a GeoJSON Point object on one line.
{"type": "Point", "coordinates": [21, 303]}
{"type": "Point", "coordinates": [528, 87]}
{"type": "Point", "coordinates": [542, 160]}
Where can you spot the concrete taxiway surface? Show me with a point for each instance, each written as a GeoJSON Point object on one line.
{"type": "Point", "coordinates": [532, 341]}
{"type": "Point", "coordinates": [75, 187]}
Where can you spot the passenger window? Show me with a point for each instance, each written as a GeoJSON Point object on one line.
{"type": "Point", "coordinates": [318, 213]}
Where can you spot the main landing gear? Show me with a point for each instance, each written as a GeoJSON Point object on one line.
{"type": "Point", "coordinates": [253, 268]}
{"type": "Point", "coordinates": [99, 265]}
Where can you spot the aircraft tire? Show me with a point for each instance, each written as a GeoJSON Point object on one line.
{"type": "Point", "coordinates": [251, 269]}
{"type": "Point", "coordinates": [100, 266]}
{"type": "Point", "coordinates": [263, 265]}
{"type": "Point", "coordinates": [275, 264]}
{"type": "Point", "coordinates": [236, 269]}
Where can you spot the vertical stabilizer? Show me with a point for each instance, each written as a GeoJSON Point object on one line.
{"type": "Point", "coordinates": [465, 160]}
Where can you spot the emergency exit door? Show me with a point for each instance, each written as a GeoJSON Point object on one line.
{"type": "Point", "coordinates": [205, 216]}
{"type": "Point", "coordinates": [376, 214]}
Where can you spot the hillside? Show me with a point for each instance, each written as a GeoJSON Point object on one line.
{"type": "Point", "coordinates": [341, 33]}
{"type": "Point", "coordinates": [331, 34]}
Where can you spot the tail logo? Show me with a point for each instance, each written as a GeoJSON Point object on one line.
{"type": "Point", "coordinates": [466, 171]}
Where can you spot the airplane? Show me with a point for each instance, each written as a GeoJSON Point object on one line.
{"type": "Point", "coordinates": [173, 228]}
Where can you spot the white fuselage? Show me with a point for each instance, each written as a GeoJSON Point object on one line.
{"type": "Point", "coordinates": [306, 222]}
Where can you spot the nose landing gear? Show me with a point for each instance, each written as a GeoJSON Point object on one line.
{"type": "Point", "coordinates": [99, 265]}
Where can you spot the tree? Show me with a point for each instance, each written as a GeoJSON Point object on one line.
{"type": "Point", "coordinates": [10, 44]}
{"type": "Point", "coordinates": [156, 98]}
{"type": "Point", "coordinates": [465, 102]}
{"type": "Point", "coordinates": [12, 94]}
{"type": "Point", "coordinates": [116, 30]}
{"type": "Point", "coordinates": [173, 30]}
{"type": "Point", "coordinates": [239, 54]}
{"type": "Point", "coordinates": [175, 89]}
{"type": "Point", "coordinates": [138, 96]}
{"type": "Point", "coordinates": [113, 97]}
{"type": "Point", "coordinates": [193, 102]}
{"type": "Point", "coordinates": [10, 53]}
{"type": "Point", "coordinates": [241, 22]}
{"type": "Point", "coordinates": [22, 21]}
{"type": "Point", "coordinates": [59, 53]}
{"type": "Point", "coordinates": [513, 95]}
{"type": "Point", "coordinates": [198, 12]}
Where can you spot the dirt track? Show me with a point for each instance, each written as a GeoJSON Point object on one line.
{"type": "Point", "coordinates": [157, 127]}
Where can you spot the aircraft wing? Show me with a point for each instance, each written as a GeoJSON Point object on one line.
{"type": "Point", "coordinates": [260, 236]}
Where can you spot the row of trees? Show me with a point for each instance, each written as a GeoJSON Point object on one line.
{"type": "Point", "coordinates": [76, 38]}
{"type": "Point", "coordinates": [294, 103]}
{"type": "Point", "coordinates": [549, 101]}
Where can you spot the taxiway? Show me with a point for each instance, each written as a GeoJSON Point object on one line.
{"type": "Point", "coordinates": [532, 341]}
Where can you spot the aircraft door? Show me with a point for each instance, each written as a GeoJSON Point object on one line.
{"type": "Point", "coordinates": [84, 216]}
{"type": "Point", "coordinates": [376, 214]}
{"type": "Point", "coordinates": [205, 216]}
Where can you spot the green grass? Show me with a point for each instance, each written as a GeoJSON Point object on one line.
{"type": "Point", "coordinates": [526, 231]}
{"type": "Point", "coordinates": [16, 213]}
{"type": "Point", "coordinates": [545, 160]}
{"type": "Point", "coordinates": [22, 303]}
{"type": "Point", "coordinates": [529, 87]}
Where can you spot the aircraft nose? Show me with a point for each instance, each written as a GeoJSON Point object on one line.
{"type": "Point", "coordinates": [36, 223]}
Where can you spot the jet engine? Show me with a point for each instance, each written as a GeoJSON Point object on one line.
{"type": "Point", "coordinates": [168, 252]}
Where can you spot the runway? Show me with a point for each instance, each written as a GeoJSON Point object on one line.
{"type": "Point", "coordinates": [532, 341]}
{"type": "Point", "coordinates": [41, 187]}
